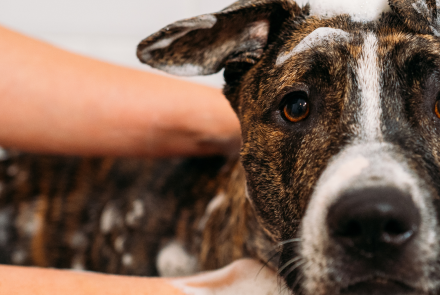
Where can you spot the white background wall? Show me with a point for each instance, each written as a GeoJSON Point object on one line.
{"type": "Point", "coordinates": [105, 29]}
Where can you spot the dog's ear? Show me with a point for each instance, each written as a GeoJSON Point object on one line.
{"type": "Point", "coordinates": [421, 16]}
{"type": "Point", "coordinates": [204, 44]}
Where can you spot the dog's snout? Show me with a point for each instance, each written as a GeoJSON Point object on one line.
{"type": "Point", "coordinates": [373, 220]}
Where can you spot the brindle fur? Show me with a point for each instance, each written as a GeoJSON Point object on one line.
{"type": "Point", "coordinates": [265, 202]}
{"type": "Point", "coordinates": [69, 212]}
{"type": "Point", "coordinates": [284, 161]}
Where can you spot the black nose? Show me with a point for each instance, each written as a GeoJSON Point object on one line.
{"type": "Point", "coordinates": [374, 220]}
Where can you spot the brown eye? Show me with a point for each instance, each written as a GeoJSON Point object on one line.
{"type": "Point", "coordinates": [437, 108]}
{"type": "Point", "coordinates": [296, 106]}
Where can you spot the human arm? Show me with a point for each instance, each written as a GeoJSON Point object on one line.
{"type": "Point", "coordinates": [244, 277]}
{"type": "Point", "coordinates": [54, 101]}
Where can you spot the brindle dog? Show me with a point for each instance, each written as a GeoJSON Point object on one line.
{"type": "Point", "coordinates": [340, 186]}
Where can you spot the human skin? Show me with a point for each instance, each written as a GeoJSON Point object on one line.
{"type": "Point", "coordinates": [54, 101]}
{"type": "Point", "coordinates": [27, 280]}
{"type": "Point", "coordinates": [245, 277]}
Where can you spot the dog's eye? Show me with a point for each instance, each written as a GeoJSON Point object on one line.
{"type": "Point", "coordinates": [295, 106]}
{"type": "Point", "coordinates": [437, 107]}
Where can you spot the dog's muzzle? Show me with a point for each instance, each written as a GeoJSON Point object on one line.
{"type": "Point", "coordinates": [369, 224]}
{"type": "Point", "coordinates": [373, 221]}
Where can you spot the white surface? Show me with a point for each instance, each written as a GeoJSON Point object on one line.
{"type": "Point", "coordinates": [105, 29]}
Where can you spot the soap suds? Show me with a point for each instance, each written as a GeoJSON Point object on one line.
{"type": "Point", "coordinates": [174, 261]}
{"type": "Point", "coordinates": [317, 37]}
{"type": "Point", "coordinates": [359, 10]}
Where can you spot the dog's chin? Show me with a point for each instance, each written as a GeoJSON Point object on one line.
{"type": "Point", "coordinates": [379, 286]}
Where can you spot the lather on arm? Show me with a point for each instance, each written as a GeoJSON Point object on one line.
{"type": "Point", "coordinates": [53, 101]}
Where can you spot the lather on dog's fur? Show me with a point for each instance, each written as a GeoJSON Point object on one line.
{"type": "Point", "coordinates": [340, 185]}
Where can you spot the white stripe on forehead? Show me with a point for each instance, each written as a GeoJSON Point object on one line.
{"type": "Point", "coordinates": [368, 76]}
{"type": "Point", "coordinates": [317, 37]}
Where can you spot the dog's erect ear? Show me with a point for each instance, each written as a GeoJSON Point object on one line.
{"type": "Point", "coordinates": [422, 16]}
{"type": "Point", "coordinates": [202, 45]}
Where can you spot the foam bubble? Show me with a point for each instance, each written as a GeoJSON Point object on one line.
{"type": "Point", "coordinates": [359, 10]}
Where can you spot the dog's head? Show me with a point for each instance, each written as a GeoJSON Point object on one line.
{"type": "Point", "coordinates": [340, 117]}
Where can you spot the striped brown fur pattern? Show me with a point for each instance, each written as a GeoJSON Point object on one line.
{"type": "Point", "coordinates": [115, 215]}
{"type": "Point", "coordinates": [339, 119]}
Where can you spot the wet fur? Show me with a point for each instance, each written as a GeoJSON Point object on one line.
{"type": "Point", "coordinates": [263, 209]}
{"type": "Point", "coordinates": [79, 212]}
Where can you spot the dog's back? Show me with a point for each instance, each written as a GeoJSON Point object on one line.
{"type": "Point", "coordinates": [122, 216]}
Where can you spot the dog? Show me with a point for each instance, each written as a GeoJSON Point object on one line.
{"type": "Point", "coordinates": [337, 184]}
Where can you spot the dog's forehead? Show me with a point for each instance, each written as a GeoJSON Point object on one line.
{"type": "Point", "coordinates": [325, 55]}
{"type": "Point", "coordinates": [330, 36]}
{"type": "Point", "coordinates": [320, 36]}
{"type": "Point", "coordinates": [313, 35]}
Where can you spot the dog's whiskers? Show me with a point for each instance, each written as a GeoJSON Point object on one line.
{"type": "Point", "coordinates": [266, 263]}
{"type": "Point", "coordinates": [295, 266]}
{"type": "Point", "coordinates": [299, 276]}
{"type": "Point", "coordinates": [295, 240]}
{"type": "Point", "coordinates": [293, 260]}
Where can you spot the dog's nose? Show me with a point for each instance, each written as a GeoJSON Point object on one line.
{"type": "Point", "coordinates": [374, 220]}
